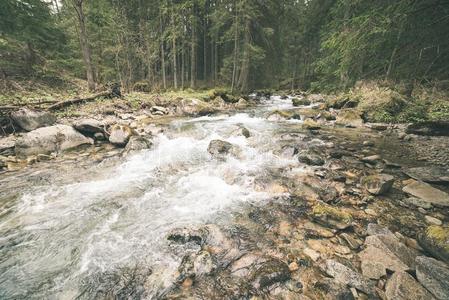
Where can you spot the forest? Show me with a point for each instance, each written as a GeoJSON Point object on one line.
{"type": "Point", "coordinates": [244, 45]}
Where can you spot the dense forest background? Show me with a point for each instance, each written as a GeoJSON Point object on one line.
{"type": "Point", "coordinates": [241, 44]}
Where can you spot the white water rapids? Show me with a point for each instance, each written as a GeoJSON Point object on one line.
{"type": "Point", "coordinates": [59, 238]}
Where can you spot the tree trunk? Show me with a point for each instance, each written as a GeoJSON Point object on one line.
{"type": "Point", "coordinates": [244, 73]}
{"type": "Point", "coordinates": [182, 67]}
{"type": "Point", "coordinates": [234, 64]}
{"type": "Point", "coordinates": [175, 65]}
{"type": "Point", "coordinates": [193, 53]}
{"type": "Point", "coordinates": [84, 43]}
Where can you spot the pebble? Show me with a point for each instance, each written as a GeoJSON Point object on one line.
{"type": "Point", "coordinates": [433, 221]}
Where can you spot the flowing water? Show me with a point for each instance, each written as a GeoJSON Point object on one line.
{"type": "Point", "coordinates": [67, 229]}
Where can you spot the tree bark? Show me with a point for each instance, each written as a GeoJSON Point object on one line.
{"type": "Point", "coordinates": [234, 67]}
{"type": "Point", "coordinates": [193, 52]}
{"type": "Point", "coordinates": [84, 43]}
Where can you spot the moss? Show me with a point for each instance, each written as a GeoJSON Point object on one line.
{"type": "Point", "coordinates": [323, 210]}
{"type": "Point", "coordinates": [439, 235]}
{"type": "Point", "coordinates": [435, 240]}
{"type": "Point", "coordinates": [439, 111]}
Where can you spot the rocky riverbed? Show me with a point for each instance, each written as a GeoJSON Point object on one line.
{"type": "Point", "coordinates": [259, 199]}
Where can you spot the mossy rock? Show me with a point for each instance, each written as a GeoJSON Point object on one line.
{"type": "Point", "coordinates": [435, 240]}
{"type": "Point", "coordinates": [350, 117]}
{"type": "Point", "coordinates": [280, 115]}
{"type": "Point", "coordinates": [331, 216]}
{"type": "Point", "coordinates": [300, 102]}
{"type": "Point", "coordinates": [311, 125]}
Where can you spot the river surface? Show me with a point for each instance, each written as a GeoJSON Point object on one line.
{"type": "Point", "coordinates": [69, 228]}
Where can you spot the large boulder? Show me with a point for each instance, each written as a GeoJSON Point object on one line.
{"type": "Point", "coordinates": [429, 174]}
{"type": "Point", "coordinates": [29, 119]}
{"type": "Point", "coordinates": [120, 135]}
{"type": "Point", "coordinates": [350, 118]}
{"type": "Point", "coordinates": [434, 276]}
{"type": "Point", "coordinates": [49, 139]}
{"type": "Point", "coordinates": [7, 145]}
{"type": "Point", "coordinates": [427, 193]}
{"type": "Point", "coordinates": [435, 239]}
{"type": "Point", "coordinates": [89, 126]}
{"type": "Point", "coordinates": [402, 286]}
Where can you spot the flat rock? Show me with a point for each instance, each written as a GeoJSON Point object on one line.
{"type": "Point", "coordinates": [417, 202]}
{"type": "Point", "coordinates": [429, 174]}
{"type": "Point", "coordinates": [347, 276]}
{"type": "Point", "coordinates": [371, 159]}
{"type": "Point", "coordinates": [435, 128]}
{"type": "Point", "coordinates": [427, 193]}
{"type": "Point", "coordinates": [50, 139]}
{"type": "Point", "coordinates": [373, 229]}
{"type": "Point", "coordinates": [402, 286]}
{"type": "Point", "coordinates": [373, 270]}
{"type": "Point", "coordinates": [30, 120]}
{"type": "Point", "coordinates": [89, 126]}
{"type": "Point", "coordinates": [434, 276]}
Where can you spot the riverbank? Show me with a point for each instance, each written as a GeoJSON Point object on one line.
{"type": "Point", "coordinates": [284, 197]}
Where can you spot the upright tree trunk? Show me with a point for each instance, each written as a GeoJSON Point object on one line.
{"type": "Point", "coordinates": [175, 65]}
{"type": "Point", "coordinates": [234, 64]}
{"type": "Point", "coordinates": [164, 79]}
{"type": "Point", "coordinates": [193, 53]}
{"type": "Point", "coordinates": [244, 73]}
{"type": "Point", "coordinates": [84, 43]}
{"type": "Point", "coordinates": [182, 67]}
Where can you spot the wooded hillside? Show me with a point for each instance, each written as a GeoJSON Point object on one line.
{"type": "Point", "coordinates": [241, 44]}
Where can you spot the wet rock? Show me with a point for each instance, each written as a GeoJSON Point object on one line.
{"type": "Point", "coordinates": [7, 145]}
{"type": "Point", "coordinates": [427, 193]}
{"type": "Point", "coordinates": [269, 273]}
{"type": "Point", "coordinates": [434, 276]}
{"type": "Point", "coordinates": [300, 102]}
{"type": "Point", "coordinates": [349, 117]}
{"type": "Point", "coordinates": [243, 266]}
{"type": "Point", "coordinates": [374, 229]}
{"type": "Point", "coordinates": [310, 158]}
{"type": "Point", "coordinates": [218, 148]}
{"type": "Point", "coordinates": [50, 139]}
{"type": "Point", "coordinates": [99, 136]}
{"type": "Point", "coordinates": [30, 120]}
{"type": "Point", "coordinates": [434, 128]}
{"type": "Point", "coordinates": [378, 184]}
{"type": "Point", "coordinates": [373, 270]}
{"type": "Point", "coordinates": [352, 242]}
{"type": "Point", "coordinates": [417, 202]}
{"type": "Point", "coordinates": [331, 216]}
{"type": "Point", "coordinates": [120, 135]}
{"type": "Point", "coordinates": [429, 174]}
{"type": "Point", "coordinates": [310, 124]}
{"type": "Point", "coordinates": [159, 110]}
{"type": "Point", "coordinates": [373, 159]}
{"type": "Point", "coordinates": [187, 235]}
{"type": "Point", "coordinates": [345, 275]}
{"type": "Point", "coordinates": [278, 115]}
{"type": "Point", "coordinates": [387, 250]}
{"type": "Point", "coordinates": [137, 143]}
{"type": "Point", "coordinates": [89, 126]}
{"type": "Point", "coordinates": [402, 286]}
{"type": "Point", "coordinates": [241, 104]}
{"type": "Point", "coordinates": [435, 240]}
{"type": "Point", "coordinates": [245, 132]}
{"type": "Point", "coordinates": [194, 265]}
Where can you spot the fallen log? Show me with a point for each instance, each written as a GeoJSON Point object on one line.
{"type": "Point", "coordinates": [65, 103]}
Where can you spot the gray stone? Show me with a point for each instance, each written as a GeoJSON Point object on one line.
{"type": "Point", "coordinates": [435, 240]}
{"type": "Point", "coordinates": [345, 275]}
{"type": "Point", "coordinates": [434, 276]}
{"type": "Point", "coordinates": [402, 286]}
{"type": "Point", "coordinates": [378, 184]}
{"type": "Point", "coordinates": [433, 221]}
{"type": "Point", "coordinates": [7, 145]}
{"type": "Point", "coordinates": [417, 202]}
{"type": "Point", "coordinates": [89, 126]}
{"type": "Point", "coordinates": [137, 143]}
{"type": "Point", "coordinates": [120, 135]}
{"type": "Point", "coordinates": [371, 159]}
{"type": "Point", "coordinates": [373, 270]}
{"type": "Point", "coordinates": [30, 120]}
{"type": "Point", "coordinates": [50, 139]}
{"type": "Point", "coordinates": [310, 158]}
{"type": "Point", "coordinates": [427, 193]}
{"type": "Point", "coordinates": [219, 148]}
{"type": "Point", "coordinates": [377, 229]}
{"type": "Point", "coordinates": [429, 174]}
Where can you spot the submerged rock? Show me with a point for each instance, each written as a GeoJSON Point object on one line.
{"type": "Point", "coordinates": [435, 128]}
{"type": "Point", "coordinates": [435, 240]}
{"type": "Point", "coordinates": [269, 273]}
{"type": "Point", "coordinates": [30, 120]}
{"type": "Point", "coordinates": [120, 135]}
{"type": "Point", "coordinates": [50, 139]}
{"type": "Point", "coordinates": [427, 193]}
{"type": "Point", "coordinates": [434, 276]}
{"type": "Point", "coordinates": [378, 184]}
{"type": "Point", "coordinates": [402, 286]}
